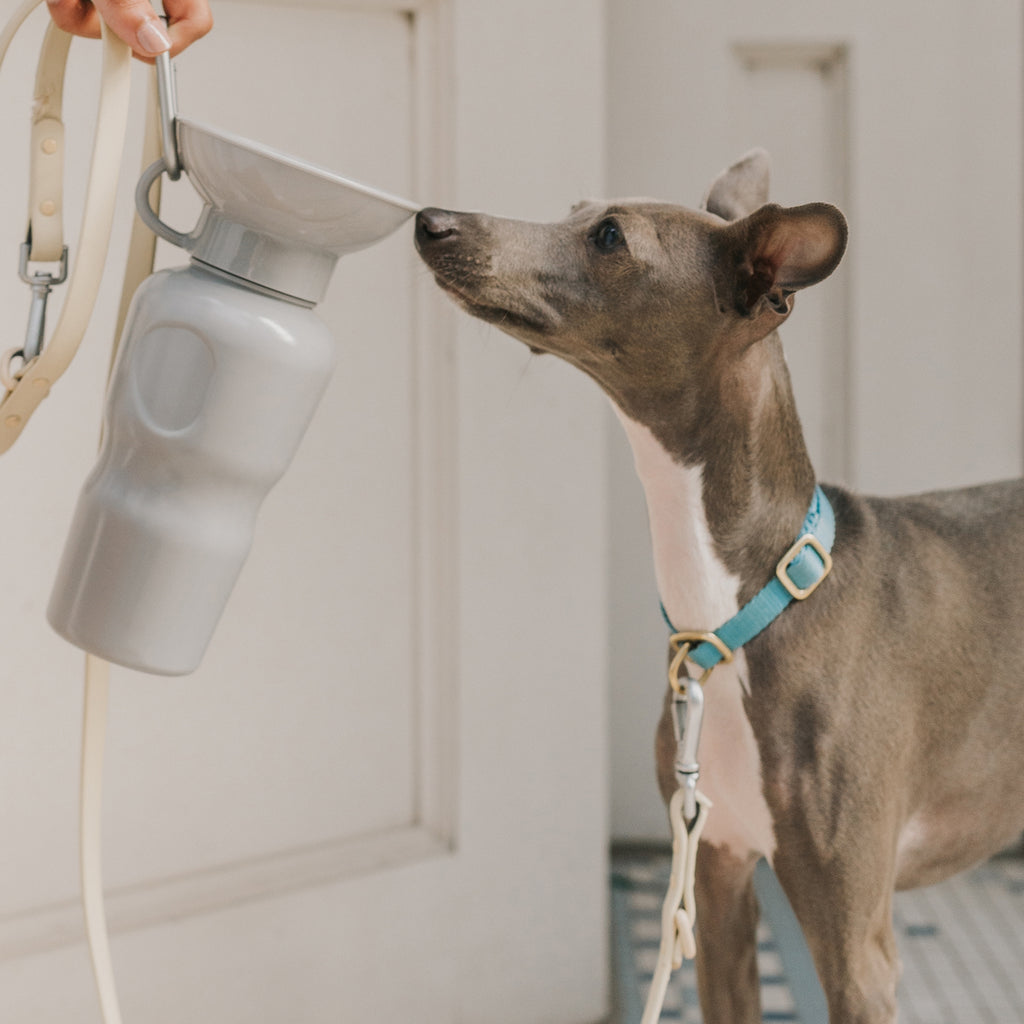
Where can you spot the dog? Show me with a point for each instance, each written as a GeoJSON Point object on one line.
{"type": "Point", "coordinates": [872, 737]}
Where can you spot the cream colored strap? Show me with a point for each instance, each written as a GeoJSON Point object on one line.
{"type": "Point", "coordinates": [46, 153]}
{"type": "Point", "coordinates": [679, 911]}
{"type": "Point", "coordinates": [29, 384]}
{"type": "Point", "coordinates": [94, 728]}
{"type": "Point", "coordinates": [141, 250]}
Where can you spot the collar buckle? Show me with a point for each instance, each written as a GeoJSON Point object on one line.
{"type": "Point", "coordinates": [790, 560]}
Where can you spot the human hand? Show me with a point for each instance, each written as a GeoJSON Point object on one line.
{"type": "Point", "coordinates": [136, 23]}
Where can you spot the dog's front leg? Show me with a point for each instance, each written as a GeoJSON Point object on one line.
{"type": "Point", "coordinates": [845, 910]}
{"type": "Point", "coordinates": [727, 976]}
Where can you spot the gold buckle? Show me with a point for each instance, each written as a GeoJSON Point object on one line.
{"type": "Point", "coordinates": [808, 540]}
{"type": "Point", "coordinates": [683, 643]}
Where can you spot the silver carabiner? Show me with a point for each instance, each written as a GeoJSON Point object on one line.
{"type": "Point", "coordinates": [41, 283]}
{"type": "Point", "coordinates": [687, 718]}
{"type": "Point", "coordinates": [168, 99]}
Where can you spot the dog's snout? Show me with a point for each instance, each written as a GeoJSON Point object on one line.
{"type": "Point", "coordinates": [433, 225]}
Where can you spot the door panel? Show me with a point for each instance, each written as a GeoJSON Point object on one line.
{"type": "Point", "coordinates": [315, 659]}
{"type": "Point", "coordinates": [383, 795]}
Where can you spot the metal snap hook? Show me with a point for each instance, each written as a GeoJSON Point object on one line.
{"type": "Point", "coordinates": [41, 282]}
{"type": "Point", "coordinates": [687, 719]}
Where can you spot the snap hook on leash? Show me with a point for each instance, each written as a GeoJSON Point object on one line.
{"type": "Point", "coordinates": [41, 283]}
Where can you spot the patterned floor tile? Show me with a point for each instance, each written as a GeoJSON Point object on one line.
{"type": "Point", "coordinates": [961, 944]}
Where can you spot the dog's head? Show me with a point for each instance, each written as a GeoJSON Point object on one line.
{"type": "Point", "coordinates": [643, 296]}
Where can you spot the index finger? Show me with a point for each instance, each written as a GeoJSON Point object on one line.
{"type": "Point", "coordinates": [188, 20]}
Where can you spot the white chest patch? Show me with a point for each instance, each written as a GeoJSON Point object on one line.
{"type": "Point", "coordinates": [700, 594]}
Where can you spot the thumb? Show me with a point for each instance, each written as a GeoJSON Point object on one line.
{"type": "Point", "coordinates": [136, 23]}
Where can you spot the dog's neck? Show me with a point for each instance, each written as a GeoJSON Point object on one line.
{"type": "Point", "coordinates": [696, 589]}
{"type": "Point", "coordinates": [726, 495]}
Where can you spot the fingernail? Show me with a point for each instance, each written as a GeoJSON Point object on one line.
{"type": "Point", "coordinates": [152, 37]}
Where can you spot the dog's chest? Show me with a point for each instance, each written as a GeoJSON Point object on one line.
{"type": "Point", "coordinates": [731, 768]}
{"type": "Point", "coordinates": [700, 594]}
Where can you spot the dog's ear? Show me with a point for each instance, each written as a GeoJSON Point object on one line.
{"type": "Point", "coordinates": [775, 252]}
{"type": "Point", "coordinates": [741, 189]}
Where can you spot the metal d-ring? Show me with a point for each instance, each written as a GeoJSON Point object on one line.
{"type": "Point", "coordinates": [683, 644]}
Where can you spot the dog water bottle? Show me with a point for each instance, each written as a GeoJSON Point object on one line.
{"type": "Point", "coordinates": [220, 369]}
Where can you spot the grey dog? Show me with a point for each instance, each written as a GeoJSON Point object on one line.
{"type": "Point", "coordinates": [870, 739]}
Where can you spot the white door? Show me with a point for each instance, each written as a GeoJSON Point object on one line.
{"type": "Point", "coordinates": [908, 362]}
{"type": "Point", "coordinates": [382, 797]}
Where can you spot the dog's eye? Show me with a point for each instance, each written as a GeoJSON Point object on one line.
{"type": "Point", "coordinates": [608, 235]}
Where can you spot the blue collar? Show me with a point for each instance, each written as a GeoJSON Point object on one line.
{"type": "Point", "coordinates": [797, 576]}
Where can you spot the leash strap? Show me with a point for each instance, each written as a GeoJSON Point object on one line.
{"type": "Point", "coordinates": [29, 383]}
{"type": "Point", "coordinates": [46, 153]}
{"type": "Point", "coordinates": [90, 830]}
{"type": "Point", "coordinates": [797, 576]}
{"type": "Point", "coordinates": [679, 910]}
{"type": "Point", "coordinates": [141, 250]}
{"type": "Point", "coordinates": [27, 387]}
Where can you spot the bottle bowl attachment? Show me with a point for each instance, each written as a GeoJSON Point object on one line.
{"type": "Point", "coordinates": [271, 219]}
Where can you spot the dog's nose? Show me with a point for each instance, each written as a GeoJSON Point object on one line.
{"type": "Point", "coordinates": [433, 225]}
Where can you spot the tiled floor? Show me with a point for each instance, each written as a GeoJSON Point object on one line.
{"type": "Point", "coordinates": [961, 942]}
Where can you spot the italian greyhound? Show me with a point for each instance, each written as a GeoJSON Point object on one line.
{"type": "Point", "coordinates": [872, 737]}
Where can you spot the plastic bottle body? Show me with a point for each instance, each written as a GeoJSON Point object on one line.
{"type": "Point", "coordinates": [213, 390]}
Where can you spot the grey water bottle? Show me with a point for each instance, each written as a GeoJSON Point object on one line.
{"type": "Point", "coordinates": [220, 369]}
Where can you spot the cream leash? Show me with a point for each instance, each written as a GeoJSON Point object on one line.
{"type": "Point", "coordinates": [90, 817]}
{"type": "Point", "coordinates": [141, 250]}
{"type": "Point", "coordinates": [679, 910]}
{"type": "Point", "coordinates": [688, 812]}
{"type": "Point", "coordinates": [28, 383]}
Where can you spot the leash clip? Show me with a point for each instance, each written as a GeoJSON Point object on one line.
{"type": "Point", "coordinates": [688, 711]}
{"type": "Point", "coordinates": [687, 719]}
{"type": "Point", "coordinates": [41, 282]}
